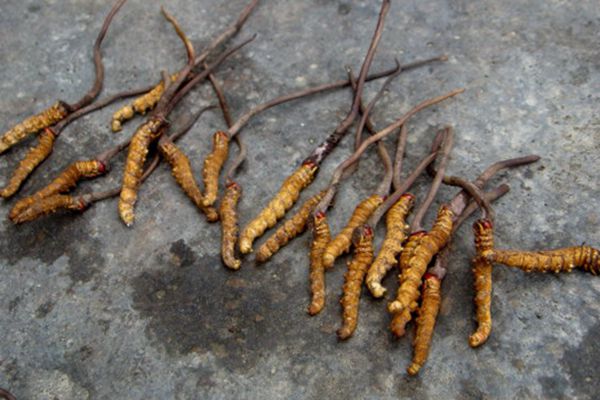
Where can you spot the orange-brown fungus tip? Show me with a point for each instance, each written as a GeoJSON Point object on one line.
{"type": "Point", "coordinates": [367, 230]}
{"type": "Point", "coordinates": [418, 234]}
{"type": "Point", "coordinates": [101, 167]}
{"type": "Point", "coordinates": [50, 131]}
{"type": "Point", "coordinates": [309, 163]}
{"type": "Point", "coordinates": [429, 275]}
{"type": "Point", "coordinates": [483, 223]}
{"type": "Point", "coordinates": [232, 185]}
{"type": "Point", "coordinates": [222, 134]}
{"type": "Point", "coordinates": [320, 214]}
{"type": "Point", "coordinates": [408, 196]}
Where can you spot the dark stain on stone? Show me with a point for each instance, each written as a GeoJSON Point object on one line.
{"type": "Point", "coordinates": [33, 8]}
{"type": "Point", "coordinates": [182, 254]}
{"type": "Point", "coordinates": [52, 237]}
{"type": "Point", "coordinates": [187, 309]}
{"type": "Point", "coordinates": [85, 352]}
{"type": "Point", "coordinates": [582, 363]}
{"type": "Point", "coordinates": [344, 9]}
{"type": "Point", "coordinates": [554, 387]}
{"type": "Point", "coordinates": [44, 309]}
{"type": "Point", "coordinates": [12, 305]}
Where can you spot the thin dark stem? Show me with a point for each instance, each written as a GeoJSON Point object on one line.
{"type": "Point", "coordinates": [473, 191]}
{"type": "Point", "coordinates": [444, 157]}
{"type": "Point", "coordinates": [221, 97]}
{"type": "Point", "coordinates": [201, 76]}
{"type": "Point", "coordinates": [99, 80]}
{"type": "Point", "coordinates": [384, 186]}
{"type": "Point", "coordinates": [182, 75]}
{"type": "Point", "coordinates": [244, 119]}
{"type": "Point", "coordinates": [338, 173]}
{"type": "Point", "coordinates": [5, 394]}
{"type": "Point", "coordinates": [398, 192]}
{"type": "Point", "coordinates": [59, 127]}
{"type": "Point", "coordinates": [227, 33]}
{"type": "Point", "coordinates": [364, 70]}
{"type": "Point", "coordinates": [459, 202]}
{"type": "Point", "coordinates": [490, 196]}
{"type": "Point", "coordinates": [398, 160]}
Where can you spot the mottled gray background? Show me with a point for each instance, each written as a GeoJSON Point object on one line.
{"type": "Point", "coordinates": [90, 309]}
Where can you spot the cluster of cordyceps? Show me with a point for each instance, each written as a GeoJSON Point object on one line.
{"type": "Point", "coordinates": [420, 255]}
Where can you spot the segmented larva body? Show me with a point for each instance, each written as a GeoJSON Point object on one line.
{"type": "Point", "coordinates": [353, 280]}
{"type": "Point", "coordinates": [229, 225]}
{"type": "Point", "coordinates": [289, 230]}
{"type": "Point", "coordinates": [182, 172]}
{"type": "Point", "coordinates": [482, 276]}
{"type": "Point", "coordinates": [321, 237]}
{"type": "Point", "coordinates": [342, 242]}
{"type": "Point", "coordinates": [49, 205]}
{"type": "Point", "coordinates": [402, 318]}
{"type": "Point", "coordinates": [35, 156]}
{"type": "Point", "coordinates": [284, 200]}
{"type": "Point", "coordinates": [64, 182]}
{"type": "Point", "coordinates": [134, 166]}
{"type": "Point", "coordinates": [559, 260]}
{"type": "Point", "coordinates": [430, 306]}
{"type": "Point", "coordinates": [140, 105]}
{"type": "Point", "coordinates": [33, 124]}
{"type": "Point", "coordinates": [212, 167]}
{"type": "Point", "coordinates": [430, 244]}
{"type": "Point", "coordinates": [392, 244]}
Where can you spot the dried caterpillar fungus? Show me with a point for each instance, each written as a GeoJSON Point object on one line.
{"type": "Point", "coordinates": [392, 244]}
{"type": "Point", "coordinates": [321, 237]}
{"type": "Point", "coordinates": [182, 172]}
{"type": "Point", "coordinates": [353, 280]}
{"type": "Point", "coordinates": [428, 312]}
{"type": "Point", "coordinates": [482, 276]}
{"type": "Point", "coordinates": [140, 105]}
{"type": "Point", "coordinates": [34, 157]}
{"type": "Point", "coordinates": [64, 182]}
{"type": "Point", "coordinates": [559, 260]}
{"type": "Point", "coordinates": [229, 225]}
{"type": "Point", "coordinates": [402, 318]}
{"type": "Point", "coordinates": [34, 124]}
{"type": "Point", "coordinates": [342, 242]}
{"type": "Point", "coordinates": [277, 207]}
{"type": "Point", "coordinates": [138, 150]}
{"type": "Point", "coordinates": [212, 167]}
{"type": "Point", "coordinates": [49, 205]}
{"type": "Point", "coordinates": [289, 230]}
{"type": "Point", "coordinates": [430, 244]}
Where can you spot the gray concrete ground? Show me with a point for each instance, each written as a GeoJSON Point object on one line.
{"type": "Point", "coordinates": [91, 309]}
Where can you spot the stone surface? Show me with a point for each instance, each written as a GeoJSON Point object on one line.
{"type": "Point", "coordinates": [91, 309]}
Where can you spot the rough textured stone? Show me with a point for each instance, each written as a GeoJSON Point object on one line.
{"type": "Point", "coordinates": [91, 309]}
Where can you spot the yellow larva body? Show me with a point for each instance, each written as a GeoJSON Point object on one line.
{"type": "Point", "coordinates": [34, 157]}
{"type": "Point", "coordinates": [408, 292]}
{"type": "Point", "coordinates": [229, 225]}
{"type": "Point", "coordinates": [559, 260]}
{"type": "Point", "coordinates": [134, 167]}
{"type": "Point", "coordinates": [33, 124]}
{"type": "Point", "coordinates": [140, 105]}
{"type": "Point", "coordinates": [392, 245]}
{"type": "Point", "coordinates": [212, 167]}
{"type": "Point", "coordinates": [64, 182]}
{"type": "Point", "coordinates": [321, 237]}
{"type": "Point", "coordinates": [284, 199]}
{"type": "Point", "coordinates": [342, 242]}
{"type": "Point", "coordinates": [428, 312]}
{"type": "Point", "coordinates": [289, 230]}
{"type": "Point", "coordinates": [182, 172]}
{"type": "Point", "coordinates": [482, 278]}
{"type": "Point", "coordinates": [402, 318]}
{"type": "Point", "coordinates": [49, 205]}
{"type": "Point", "coordinates": [353, 280]}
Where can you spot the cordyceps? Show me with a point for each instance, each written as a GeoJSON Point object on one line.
{"type": "Point", "coordinates": [357, 268]}
{"type": "Point", "coordinates": [229, 225]}
{"type": "Point", "coordinates": [153, 127]}
{"type": "Point", "coordinates": [152, 96]}
{"type": "Point", "coordinates": [321, 237]}
{"type": "Point", "coordinates": [64, 182]}
{"type": "Point", "coordinates": [342, 242]}
{"type": "Point", "coordinates": [55, 119]}
{"type": "Point", "coordinates": [482, 278]}
{"type": "Point", "coordinates": [428, 312]}
{"type": "Point", "coordinates": [289, 230]}
{"type": "Point", "coordinates": [49, 205]}
{"type": "Point", "coordinates": [184, 176]}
